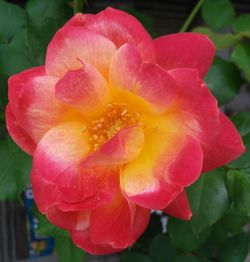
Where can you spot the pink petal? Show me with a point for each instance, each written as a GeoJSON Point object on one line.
{"type": "Point", "coordinates": [58, 159]}
{"type": "Point", "coordinates": [223, 144]}
{"type": "Point", "coordinates": [187, 163]}
{"type": "Point", "coordinates": [185, 50]}
{"type": "Point", "coordinates": [106, 193]}
{"type": "Point", "coordinates": [157, 177]}
{"type": "Point", "coordinates": [114, 223]}
{"type": "Point", "coordinates": [123, 147]}
{"type": "Point", "coordinates": [71, 45]}
{"type": "Point", "coordinates": [149, 81]}
{"type": "Point", "coordinates": [46, 194]}
{"type": "Point", "coordinates": [18, 134]}
{"type": "Point", "coordinates": [140, 223]}
{"type": "Point", "coordinates": [119, 223]}
{"type": "Point", "coordinates": [83, 240]}
{"type": "Point", "coordinates": [17, 82]}
{"type": "Point", "coordinates": [155, 85]}
{"type": "Point", "coordinates": [119, 27]}
{"type": "Point", "coordinates": [35, 106]}
{"type": "Point", "coordinates": [179, 207]}
{"type": "Point", "coordinates": [68, 220]}
{"type": "Point", "coordinates": [226, 148]}
{"type": "Point", "coordinates": [157, 196]}
{"type": "Point", "coordinates": [196, 101]}
{"type": "Point", "coordinates": [85, 89]}
{"type": "Point", "coordinates": [124, 66]}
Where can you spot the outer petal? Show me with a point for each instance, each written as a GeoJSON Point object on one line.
{"type": "Point", "coordinates": [185, 50]}
{"type": "Point", "coordinates": [226, 148]}
{"type": "Point", "coordinates": [112, 223]}
{"type": "Point", "coordinates": [58, 159]}
{"type": "Point", "coordinates": [68, 220]}
{"type": "Point", "coordinates": [35, 106]}
{"type": "Point", "coordinates": [156, 178]}
{"type": "Point", "coordinates": [223, 144]}
{"type": "Point", "coordinates": [124, 66]}
{"type": "Point", "coordinates": [17, 82]}
{"type": "Point", "coordinates": [195, 101]}
{"type": "Point", "coordinates": [140, 223]}
{"type": "Point", "coordinates": [179, 207]}
{"type": "Point", "coordinates": [71, 45]}
{"type": "Point", "coordinates": [83, 240]}
{"type": "Point", "coordinates": [105, 194]}
{"type": "Point", "coordinates": [17, 132]}
{"type": "Point", "coordinates": [84, 89]}
{"type": "Point", "coordinates": [186, 166]}
{"type": "Point", "coordinates": [46, 194]}
{"type": "Point", "coordinates": [117, 224]}
{"type": "Point", "coordinates": [123, 147]}
{"type": "Point", "coordinates": [119, 27]}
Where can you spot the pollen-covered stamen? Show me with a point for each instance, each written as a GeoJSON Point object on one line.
{"type": "Point", "coordinates": [114, 118]}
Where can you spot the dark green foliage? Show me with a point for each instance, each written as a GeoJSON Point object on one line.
{"type": "Point", "coordinates": [218, 13]}
{"type": "Point", "coordinates": [15, 168]}
{"type": "Point", "coordinates": [224, 80]}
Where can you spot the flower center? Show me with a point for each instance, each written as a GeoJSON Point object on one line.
{"type": "Point", "coordinates": [114, 118]}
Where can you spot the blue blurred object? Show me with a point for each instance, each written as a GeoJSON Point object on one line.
{"type": "Point", "coordinates": [38, 245]}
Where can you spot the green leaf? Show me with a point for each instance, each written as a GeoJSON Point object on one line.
{"type": "Point", "coordinates": [217, 13]}
{"type": "Point", "coordinates": [241, 57]}
{"type": "Point", "coordinates": [234, 221]}
{"type": "Point", "coordinates": [218, 234]}
{"type": "Point", "coordinates": [67, 251]}
{"type": "Point", "coordinates": [161, 249]}
{"type": "Point", "coordinates": [12, 19]}
{"type": "Point", "coordinates": [46, 17]}
{"type": "Point", "coordinates": [221, 41]}
{"type": "Point", "coordinates": [15, 170]}
{"type": "Point", "coordinates": [242, 122]}
{"type": "Point", "coordinates": [186, 258]}
{"type": "Point", "coordinates": [224, 80]}
{"type": "Point", "coordinates": [231, 223]}
{"type": "Point", "coordinates": [234, 249]}
{"type": "Point", "coordinates": [241, 24]}
{"type": "Point", "coordinates": [16, 56]}
{"type": "Point", "coordinates": [37, 45]}
{"type": "Point", "coordinates": [243, 160]}
{"type": "Point", "coordinates": [13, 60]}
{"type": "Point", "coordinates": [134, 257]}
{"type": "Point", "coordinates": [208, 199]}
{"type": "Point", "coordinates": [238, 184]}
{"type": "Point", "coordinates": [40, 11]}
{"type": "Point", "coordinates": [3, 95]}
{"type": "Point", "coordinates": [183, 237]}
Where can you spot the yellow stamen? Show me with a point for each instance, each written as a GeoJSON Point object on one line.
{"type": "Point", "coordinates": [114, 118]}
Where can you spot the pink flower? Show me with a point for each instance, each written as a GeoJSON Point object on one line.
{"type": "Point", "coordinates": [117, 124]}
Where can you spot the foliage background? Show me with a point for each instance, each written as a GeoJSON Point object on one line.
{"type": "Point", "coordinates": [220, 200]}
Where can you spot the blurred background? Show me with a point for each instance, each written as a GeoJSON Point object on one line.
{"type": "Point", "coordinates": [26, 27]}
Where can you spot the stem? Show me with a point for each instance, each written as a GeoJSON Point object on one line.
{"type": "Point", "coordinates": [78, 6]}
{"type": "Point", "coordinates": [191, 16]}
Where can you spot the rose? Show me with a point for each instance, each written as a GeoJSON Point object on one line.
{"type": "Point", "coordinates": [117, 124]}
